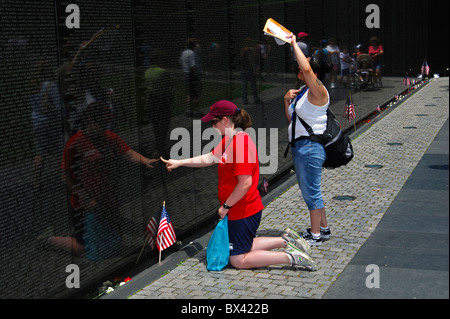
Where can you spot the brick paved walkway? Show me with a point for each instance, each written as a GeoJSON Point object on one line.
{"type": "Point", "coordinates": [351, 221]}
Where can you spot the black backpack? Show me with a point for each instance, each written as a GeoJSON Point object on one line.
{"type": "Point", "coordinates": [337, 145]}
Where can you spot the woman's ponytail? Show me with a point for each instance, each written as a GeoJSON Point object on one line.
{"type": "Point", "coordinates": [242, 120]}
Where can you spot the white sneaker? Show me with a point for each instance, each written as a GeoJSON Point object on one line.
{"type": "Point", "coordinates": [294, 238]}
{"type": "Point", "coordinates": [300, 258]}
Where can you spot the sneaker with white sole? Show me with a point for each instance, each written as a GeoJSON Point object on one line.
{"type": "Point", "coordinates": [300, 258]}
{"type": "Point", "coordinates": [294, 238]}
{"type": "Point", "coordinates": [308, 236]}
{"type": "Point", "coordinates": [326, 234]}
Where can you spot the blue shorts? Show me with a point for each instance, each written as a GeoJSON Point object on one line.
{"type": "Point", "coordinates": [241, 233]}
{"type": "Point", "coordinates": [308, 157]}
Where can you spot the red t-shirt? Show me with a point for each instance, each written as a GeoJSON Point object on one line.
{"type": "Point", "coordinates": [93, 165]}
{"type": "Point", "coordinates": [238, 157]}
{"type": "Point", "coordinates": [373, 51]}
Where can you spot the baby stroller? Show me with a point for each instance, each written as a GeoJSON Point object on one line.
{"type": "Point", "coordinates": [364, 73]}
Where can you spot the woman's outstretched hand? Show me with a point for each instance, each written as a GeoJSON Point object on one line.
{"type": "Point", "coordinates": [171, 164]}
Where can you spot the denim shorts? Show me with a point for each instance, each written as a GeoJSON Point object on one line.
{"type": "Point", "coordinates": [308, 157]}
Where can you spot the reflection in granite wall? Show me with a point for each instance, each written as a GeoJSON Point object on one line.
{"type": "Point", "coordinates": [86, 111]}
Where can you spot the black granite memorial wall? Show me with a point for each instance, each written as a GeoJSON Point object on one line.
{"type": "Point", "coordinates": [88, 89]}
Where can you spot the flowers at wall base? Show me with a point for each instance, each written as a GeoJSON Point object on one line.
{"type": "Point", "coordinates": [108, 286]}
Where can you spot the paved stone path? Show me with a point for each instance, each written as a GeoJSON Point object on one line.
{"type": "Point", "coordinates": [351, 221]}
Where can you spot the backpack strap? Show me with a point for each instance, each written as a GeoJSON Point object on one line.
{"type": "Point", "coordinates": [307, 127]}
{"type": "Point", "coordinates": [314, 137]}
{"type": "Point", "coordinates": [304, 89]}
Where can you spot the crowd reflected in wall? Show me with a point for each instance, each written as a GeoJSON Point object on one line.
{"type": "Point", "coordinates": [86, 113]}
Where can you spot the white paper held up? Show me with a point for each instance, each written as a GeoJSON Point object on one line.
{"type": "Point", "coordinates": [276, 30]}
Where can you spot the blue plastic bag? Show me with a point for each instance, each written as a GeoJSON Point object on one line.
{"type": "Point", "coordinates": [218, 249]}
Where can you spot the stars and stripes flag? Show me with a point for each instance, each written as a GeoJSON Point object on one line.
{"type": "Point", "coordinates": [265, 185]}
{"type": "Point", "coordinates": [349, 108]}
{"type": "Point", "coordinates": [406, 80]}
{"type": "Point", "coordinates": [150, 232]}
{"type": "Point", "coordinates": [166, 234]}
{"type": "Point", "coordinates": [425, 68]}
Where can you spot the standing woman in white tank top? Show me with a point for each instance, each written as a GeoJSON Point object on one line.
{"type": "Point", "coordinates": [308, 156]}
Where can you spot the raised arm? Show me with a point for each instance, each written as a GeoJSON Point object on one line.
{"type": "Point", "coordinates": [317, 94]}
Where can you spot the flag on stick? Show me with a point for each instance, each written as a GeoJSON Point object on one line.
{"type": "Point", "coordinates": [265, 185]}
{"type": "Point", "coordinates": [150, 234]}
{"type": "Point", "coordinates": [406, 80]}
{"type": "Point", "coordinates": [425, 68]}
{"type": "Point", "coordinates": [151, 231]}
{"type": "Point", "coordinates": [350, 109]}
{"type": "Point", "coordinates": [166, 234]}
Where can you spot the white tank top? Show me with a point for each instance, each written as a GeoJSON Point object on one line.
{"type": "Point", "coordinates": [315, 116]}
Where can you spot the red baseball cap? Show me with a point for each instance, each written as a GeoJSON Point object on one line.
{"type": "Point", "coordinates": [302, 35]}
{"type": "Point", "coordinates": [221, 108]}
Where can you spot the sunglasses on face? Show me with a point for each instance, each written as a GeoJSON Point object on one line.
{"type": "Point", "coordinates": [215, 121]}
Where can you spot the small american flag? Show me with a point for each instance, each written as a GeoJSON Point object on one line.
{"type": "Point", "coordinates": [425, 68]}
{"type": "Point", "coordinates": [265, 185]}
{"type": "Point", "coordinates": [166, 234]}
{"type": "Point", "coordinates": [349, 109]}
{"type": "Point", "coordinates": [406, 81]}
{"type": "Point", "coordinates": [151, 231]}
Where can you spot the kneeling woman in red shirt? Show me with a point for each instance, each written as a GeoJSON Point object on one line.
{"type": "Point", "coordinates": [238, 171]}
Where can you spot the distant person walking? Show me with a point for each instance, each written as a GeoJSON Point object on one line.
{"type": "Point", "coordinates": [376, 52]}
{"type": "Point", "coordinates": [334, 52]}
{"type": "Point", "coordinates": [248, 71]}
{"type": "Point", "coordinates": [192, 68]}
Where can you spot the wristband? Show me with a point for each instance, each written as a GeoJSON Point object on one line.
{"type": "Point", "coordinates": [226, 206]}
